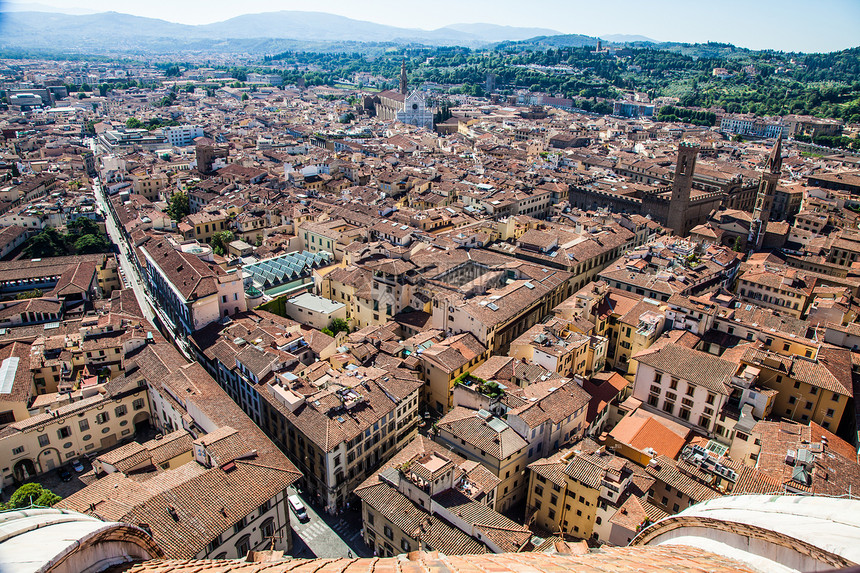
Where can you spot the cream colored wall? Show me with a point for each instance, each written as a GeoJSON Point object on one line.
{"type": "Point", "coordinates": [63, 450]}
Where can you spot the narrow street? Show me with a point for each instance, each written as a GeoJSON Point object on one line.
{"type": "Point", "coordinates": [129, 274]}
{"type": "Point", "coordinates": [327, 536]}
{"type": "Point", "coordinates": [129, 271]}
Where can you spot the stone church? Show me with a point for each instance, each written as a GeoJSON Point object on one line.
{"type": "Point", "coordinates": [415, 111]}
{"type": "Point", "coordinates": [410, 108]}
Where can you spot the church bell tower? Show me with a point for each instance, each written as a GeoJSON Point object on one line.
{"type": "Point", "coordinates": [764, 197]}
{"type": "Point", "coordinates": [682, 185]}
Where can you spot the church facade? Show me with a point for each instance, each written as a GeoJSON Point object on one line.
{"type": "Point", "coordinates": [410, 108]}
{"type": "Point", "coordinates": [415, 111]}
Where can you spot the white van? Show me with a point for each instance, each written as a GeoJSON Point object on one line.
{"type": "Point", "coordinates": [298, 507]}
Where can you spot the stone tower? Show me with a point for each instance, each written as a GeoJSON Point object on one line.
{"type": "Point", "coordinates": [403, 77]}
{"type": "Point", "coordinates": [682, 184]}
{"type": "Point", "coordinates": [764, 197]}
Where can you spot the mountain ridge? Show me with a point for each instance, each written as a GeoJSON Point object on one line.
{"type": "Point", "coordinates": [109, 30]}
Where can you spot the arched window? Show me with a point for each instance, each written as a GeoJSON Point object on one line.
{"type": "Point", "coordinates": [243, 545]}
{"type": "Point", "coordinates": [268, 529]}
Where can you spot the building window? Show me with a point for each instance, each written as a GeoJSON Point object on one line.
{"type": "Point", "coordinates": [538, 490]}
{"type": "Point", "coordinates": [137, 404]}
{"type": "Point", "coordinates": [552, 514]}
{"type": "Point", "coordinates": [213, 545]}
{"type": "Point", "coordinates": [243, 545]}
{"type": "Point", "coordinates": [121, 410]}
{"type": "Point", "coordinates": [44, 440]}
{"type": "Point", "coordinates": [64, 432]}
{"type": "Point", "coordinates": [18, 450]}
{"type": "Point", "coordinates": [268, 528]}
{"type": "Point", "coordinates": [102, 418]}
{"type": "Point", "coordinates": [239, 525]}
{"type": "Point", "coordinates": [388, 532]}
{"type": "Point", "coordinates": [405, 545]}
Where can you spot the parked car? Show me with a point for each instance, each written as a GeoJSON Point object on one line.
{"type": "Point", "coordinates": [77, 466]}
{"type": "Point", "coordinates": [64, 474]}
{"type": "Point", "coordinates": [298, 508]}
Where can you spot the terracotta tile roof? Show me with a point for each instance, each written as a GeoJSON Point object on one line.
{"type": "Point", "coordinates": [700, 368]}
{"type": "Point", "coordinates": [498, 442]}
{"type": "Point", "coordinates": [191, 276]}
{"type": "Point", "coordinates": [831, 371]}
{"type": "Point", "coordinates": [661, 559]}
{"type": "Point", "coordinates": [75, 279]}
{"type": "Point", "coordinates": [557, 404]}
{"type": "Point", "coordinates": [406, 515]}
{"type": "Point", "coordinates": [319, 418]}
{"type": "Point", "coordinates": [504, 533]}
{"type": "Point", "coordinates": [646, 431]}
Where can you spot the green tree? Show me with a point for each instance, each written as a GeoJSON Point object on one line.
{"type": "Point", "coordinates": [338, 325]}
{"type": "Point", "coordinates": [83, 226]}
{"type": "Point", "coordinates": [33, 494]}
{"type": "Point", "coordinates": [133, 123]}
{"type": "Point", "coordinates": [35, 293]}
{"type": "Point", "coordinates": [88, 244]}
{"type": "Point", "coordinates": [220, 240]}
{"type": "Point", "coordinates": [48, 243]}
{"type": "Point", "coordinates": [244, 97]}
{"type": "Point", "coordinates": [179, 206]}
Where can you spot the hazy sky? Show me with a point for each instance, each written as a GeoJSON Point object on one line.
{"type": "Point", "coordinates": [805, 25]}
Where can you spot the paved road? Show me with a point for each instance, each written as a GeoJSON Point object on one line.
{"type": "Point", "coordinates": [327, 536]}
{"type": "Point", "coordinates": [130, 276]}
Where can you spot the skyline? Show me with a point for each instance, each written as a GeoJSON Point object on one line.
{"type": "Point", "coordinates": [832, 26]}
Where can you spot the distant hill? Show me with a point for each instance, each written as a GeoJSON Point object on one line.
{"type": "Point", "coordinates": [627, 38]}
{"type": "Point", "coordinates": [557, 41]}
{"type": "Point", "coordinates": [494, 33]}
{"type": "Point", "coordinates": [122, 32]}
